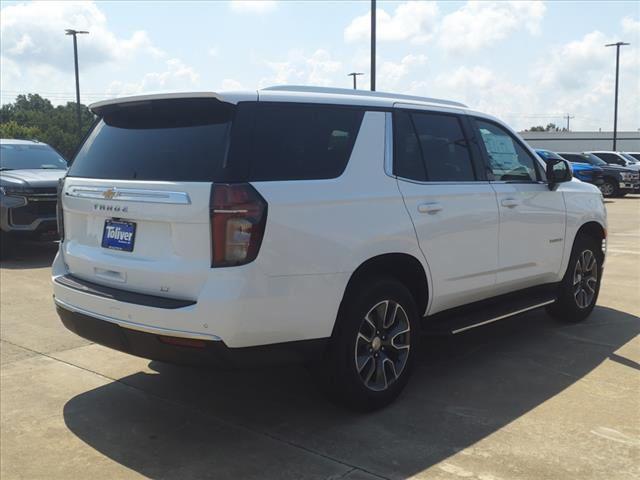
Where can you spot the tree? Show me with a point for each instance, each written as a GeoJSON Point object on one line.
{"type": "Point", "coordinates": [551, 127]}
{"type": "Point", "coordinates": [32, 117]}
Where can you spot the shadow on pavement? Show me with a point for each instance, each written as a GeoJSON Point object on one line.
{"type": "Point", "coordinates": [189, 423]}
{"type": "Point", "coordinates": [31, 255]}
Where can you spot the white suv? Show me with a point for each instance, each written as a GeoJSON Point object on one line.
{"type": "Point", "coordinates": [319, 225]}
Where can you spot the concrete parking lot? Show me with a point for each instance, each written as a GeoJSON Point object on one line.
{"type": "Point", "coordinates": [526, 398]}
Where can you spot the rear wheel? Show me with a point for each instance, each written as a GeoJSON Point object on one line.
{"type": "Point", "coordinates": [372, 350]}
{"type": "Point", "coordinates": [578, 291]}
{"type": "Point", "coordinates": [609, 188]}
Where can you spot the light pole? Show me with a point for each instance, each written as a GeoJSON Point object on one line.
{"type": "Point", "coordinates": [615, 109]}
{"type": "Point", "coordinates": [354, 75]}
{"type": "Point", "coordinates": [72, 32]}
{"type": "Point", "coordinates": [373, 45]}
{"type": "Point", "coordinates": [568, 117]}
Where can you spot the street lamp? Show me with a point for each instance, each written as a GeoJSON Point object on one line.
{"type": "Point", "coordinates": [373, 45]}
{"type": "Point", "coordinates": [70, 31]}
{"type": "Point", "coordinates": [354, 75]}
{"type": "Point", "coordinates": [615, 110]}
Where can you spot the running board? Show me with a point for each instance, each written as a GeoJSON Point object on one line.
{"type": "Point", "coordinates": [467, 317]}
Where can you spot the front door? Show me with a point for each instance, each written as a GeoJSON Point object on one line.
{"type": "Point", "coordinates": [532, 217]}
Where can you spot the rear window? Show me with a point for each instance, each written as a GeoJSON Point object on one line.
{"type": "Point", "coordinates": [301, 142]}
{"type": "Point", "coordinates": [173, 140]}
{"type": "Point", "coordinates": [207, 140]}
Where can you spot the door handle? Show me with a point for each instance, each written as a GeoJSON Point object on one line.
{"type": "Point", "coordinates": [429, 207]}
{"type": "Point", "coordinates": [510, 202]}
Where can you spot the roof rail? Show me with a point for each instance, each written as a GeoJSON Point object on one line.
{"type": "Point", "coordinates": [363, 93]}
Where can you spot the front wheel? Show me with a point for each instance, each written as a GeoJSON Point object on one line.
{"type": "Point", "coordinates": [373, 346]}
{"type": "Point", "coordinates": [578, 291]}
{"type": "Point", "coordinates": [609, 188]}
{"type": "Point", "coordinates": [6, 245]}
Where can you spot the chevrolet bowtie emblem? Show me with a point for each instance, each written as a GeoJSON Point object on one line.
{"type": "Point", "coordinates": [110, 193]}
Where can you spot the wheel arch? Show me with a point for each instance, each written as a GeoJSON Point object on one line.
{"type": "Point", "coordinates": [404, 267]}
{"type": "Point", "coordinates": [592, 229]}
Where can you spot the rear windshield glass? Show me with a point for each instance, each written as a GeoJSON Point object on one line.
{"type": "Point", "coordinates": [173, 140]}
{"type": "Point", "coordinates": [18, 157]}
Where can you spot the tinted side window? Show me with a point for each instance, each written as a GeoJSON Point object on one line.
{"type": "Point", "coordinates": [444, 147]}
{"type": "Point", "coordinates": [302, 142]}
{"type": "Point", "coordinates": [407, 155]}
{"type": "Point", "coordinates": [574, 158]}
{"type": "Point", "coordinates": [610, 158]}
{"type": "Point", "coordinates": [508, 160]}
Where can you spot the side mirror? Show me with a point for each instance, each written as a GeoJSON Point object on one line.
{"type": "Point", "coordinates": [558, 171]}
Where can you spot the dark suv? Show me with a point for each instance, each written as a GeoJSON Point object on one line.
{"type": "Point", "coordinates": [29, 174]}
{"type": "Point", "coordinates": [618, 181]}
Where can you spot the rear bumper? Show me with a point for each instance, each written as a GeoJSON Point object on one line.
{"type": "Point", "coordinates": [206, 352]}
{"type": "Point", "coordinates": [240, 306]}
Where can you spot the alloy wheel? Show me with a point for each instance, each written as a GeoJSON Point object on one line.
{"type": "Point", "coordinates": [606, 189]}
{"type": "Point", "coordinates": [585, 279]}
{"type": "Point", "coordinates": [382, 345]}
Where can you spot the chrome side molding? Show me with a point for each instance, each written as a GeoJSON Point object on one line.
{"type": "Point", "coordinates": [128, 194]}
{"type": "Point", "coordinates": [501, 317]}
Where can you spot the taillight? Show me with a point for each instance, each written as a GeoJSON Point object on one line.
{"type": "Point", "coordinates": [238, 218]}
{"type": "Point", "coordinates": [59, 211]}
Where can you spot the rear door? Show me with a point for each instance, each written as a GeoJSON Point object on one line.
{"type": "Point", "coordinates": [452, 207]}
{"type": "Point", "coordinates": [532, 217]}
{"type": "Point", "coordinates": [136, 198]}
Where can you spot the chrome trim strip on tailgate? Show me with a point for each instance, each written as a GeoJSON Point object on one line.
{"type": "Point", "coordinates": [129, 194]}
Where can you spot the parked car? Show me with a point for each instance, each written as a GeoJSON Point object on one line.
{"type": "Point", "coordinates": [311, 224]}
{"type": "Point", "coordinates": [29, 174]}
{"type": "Point", "coordinates": [585, 172]}
{"type": "Point", "coordinates": [635, 155]}
{"type": "Point", "coordinates": [618, 158]}
{"type": "Point", "coordinates": [618, 181]}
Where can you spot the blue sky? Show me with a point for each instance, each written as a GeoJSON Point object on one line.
{"type": "Point", "coordinates": [527, 62]}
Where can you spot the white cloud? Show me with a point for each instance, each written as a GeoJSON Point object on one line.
{"type": "Point", "coordinates": [390, 73]}
{"type": "Point", "coordinates": [479, 24]}
{"type": "Point", "coordinates": [33, 34]}
{"type": "Point", "coordinates": [631, 26]}
{"type": "Point", "coordinates": [319, 68]}
{"type": "Point", "coordinates": [255, 6]}
{"type": "Point", "coordinates": [482, 89]}
{"type": "Point", "coordinates": [571, 65]}
{"type": "Point", "coordinates": [231, 84]}
{"type": "Point", "coordinates": [176, 77]}
{"type": "Point", "coordinates": [579, 78]}
{"type": "Point", "coordinates": [413, 21]}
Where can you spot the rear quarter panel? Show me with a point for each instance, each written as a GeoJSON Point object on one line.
{"type": "Point", "coordinates": [319, 231]}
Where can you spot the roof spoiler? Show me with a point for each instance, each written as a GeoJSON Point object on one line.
{"type": "Point", "coordinates": [99, 108]}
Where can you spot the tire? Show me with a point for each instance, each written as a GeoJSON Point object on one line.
{"type": "Point", "coordinates": [609, 188]}
{"type": "Point", "coordinates": [366, 368]}
{"type": "Point", "coordinates": [578, 291]}
{"type": "Point", "coordinates": [6, 246]}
